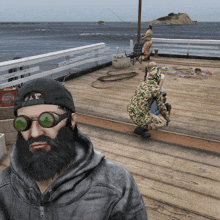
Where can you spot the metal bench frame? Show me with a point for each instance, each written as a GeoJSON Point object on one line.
{"type": "Point", "coordinates": [137, 53]}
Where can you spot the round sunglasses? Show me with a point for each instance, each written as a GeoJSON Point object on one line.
{"type": "Point", "coordinates": [45, 120]}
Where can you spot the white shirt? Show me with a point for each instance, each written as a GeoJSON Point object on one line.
{"type": "Point", "coordinates": [162, 77]}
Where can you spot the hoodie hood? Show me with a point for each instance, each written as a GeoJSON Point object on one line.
{"type": "Point", "coordinates": [73, 177]}
{"type": "Point", "coordinates": [154, 75]}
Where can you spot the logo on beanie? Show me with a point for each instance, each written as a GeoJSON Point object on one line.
{"type": "Point", "coordinates": [33, 95]}
{"type": "Point", "coordinates": [33, 98]}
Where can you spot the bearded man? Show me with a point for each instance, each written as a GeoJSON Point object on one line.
{"type": "Point", "coordinates": [54, 171]}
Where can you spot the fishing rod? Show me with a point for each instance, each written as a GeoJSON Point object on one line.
{"type": "Point", "coordinates": [115, 14]}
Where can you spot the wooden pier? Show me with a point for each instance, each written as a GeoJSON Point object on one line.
{"type": "Point", "coordinates": [195, 99]}
{"type": "Point", "coordinates": [178, 179]}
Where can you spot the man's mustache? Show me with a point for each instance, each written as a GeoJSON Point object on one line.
{"type": "Point", "coordinates": [44, 138]}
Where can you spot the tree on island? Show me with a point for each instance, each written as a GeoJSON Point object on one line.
{"type": "Point", "coordinates": [100, 22]}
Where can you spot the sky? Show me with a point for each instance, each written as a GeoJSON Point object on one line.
{"type": "Point", "coordinates": [106, 10]}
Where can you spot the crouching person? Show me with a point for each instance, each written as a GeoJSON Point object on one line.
{"type": "Point", "coordinates": [140, 105]}
{"type": "Point", "coordinates": [54, 171]}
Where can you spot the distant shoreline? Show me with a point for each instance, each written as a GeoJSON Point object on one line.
{"type": "Point", "coordinates": [18, 23]}
{"type": "Point", "coordinates": [56, 22]}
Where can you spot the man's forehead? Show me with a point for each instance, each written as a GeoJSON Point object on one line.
{"type": "Point", "coordinates": [38, 109]}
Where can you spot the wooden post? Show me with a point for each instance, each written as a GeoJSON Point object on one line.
{"type": "Point", "coordinates": [139, 22]}
{"type": "Point", "coordinates": [131, 44]}
{"type": "Point", "coordinates": [2, 146]}
{"type": "Point", "coordinates": [96, 56]}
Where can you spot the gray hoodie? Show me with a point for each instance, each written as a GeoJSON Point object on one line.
{"type": "Point", "coordinates": [91, 188]}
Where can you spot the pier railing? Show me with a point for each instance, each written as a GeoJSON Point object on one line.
{"type": "Point", "coordinates": [188, 47]}
{"type": "Point", "coordinates": [54, 64]}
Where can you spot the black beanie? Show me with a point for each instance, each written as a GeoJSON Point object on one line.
{"type": "Point", "coordinates": [51, 92]}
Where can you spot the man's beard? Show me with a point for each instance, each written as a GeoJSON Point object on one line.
{"type": "Point", "coordinates": [42, 165]}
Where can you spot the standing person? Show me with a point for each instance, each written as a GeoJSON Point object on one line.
{"type": "Point", "coordinates": [54, 171]}
{"type": "Point", "coordinates": [140, 105]}
{"type": "Point", "coordinates": [148, 42]}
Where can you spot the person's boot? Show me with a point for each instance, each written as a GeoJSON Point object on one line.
{"type": "Point", "coordinates": [142, 132]}
{"type": "Point", "coordinates": [145, 135]}
{"type": "Point", "coordinates": [139, 130]}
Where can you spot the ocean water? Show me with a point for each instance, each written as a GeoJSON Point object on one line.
{"type": "Point", "coordinates": [29, 39]}
{"type": "Point", "coordinates": [114, 10]}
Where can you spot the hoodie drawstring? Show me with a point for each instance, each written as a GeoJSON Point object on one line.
{"type": "Point", "coordinates": [51, 204]}
{"type": "Point", "coordinates": [29, 195]}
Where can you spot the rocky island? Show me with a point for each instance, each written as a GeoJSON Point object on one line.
{"type": "Point", "coordinates": [100, 22]}
{"type": "Point", "coordinates": [174, 19]}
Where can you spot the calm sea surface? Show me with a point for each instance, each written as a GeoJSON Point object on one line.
{"type": "Point", "coordinates": [25, 40]}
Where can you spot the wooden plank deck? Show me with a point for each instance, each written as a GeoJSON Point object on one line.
{"type": "Point", "coordinates": [195, 101]}
{"type": "Point", "coordinates": [176, 182]}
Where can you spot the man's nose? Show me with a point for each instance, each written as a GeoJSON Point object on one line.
{"type": "Point", "coordinates": [36, 130]}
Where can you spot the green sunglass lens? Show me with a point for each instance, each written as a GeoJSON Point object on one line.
{"type": "Point", "coordinates": [46, 120]}
{"type": "Point", "coordinates": [20, 123]}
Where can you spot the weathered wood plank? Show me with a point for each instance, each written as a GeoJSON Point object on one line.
{"type": "Point", "coordinates": [172, 177]}
{"type": "Point", "coordinates": [181, 198]}
{"type": "Point", "coordinates": [200, 99]}
{"type": "Point", "coordinates": [194, 96]}
{"type": "Point", "coordinates": [117, 112]}
{"type": "Point", "coordinates": [204, 113]}
{"type": "Point", "coordinates": [167, 161]}
{"type": "Point", "coordinates": [163, 211]}
{"type": "Point", "coordinates": [163, 148]}
{"type": "Point", "coordinates": [210, 124]}
{"type": "Point", "coordinates": [125, 96]}
{"type": "Point", "coordinates": [188, 128]}
{"type": "Point", "coordinates": [193, 125]}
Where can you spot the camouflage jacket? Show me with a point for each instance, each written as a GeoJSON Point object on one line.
{"type": "Point", "coordinates": [140, 104]}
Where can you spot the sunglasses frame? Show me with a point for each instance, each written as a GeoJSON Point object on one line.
{"type": "Point", "coordinates": [56, 120]}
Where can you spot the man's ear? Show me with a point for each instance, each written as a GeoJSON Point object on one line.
{"type": "Point", "coordinates": [73, 120]}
